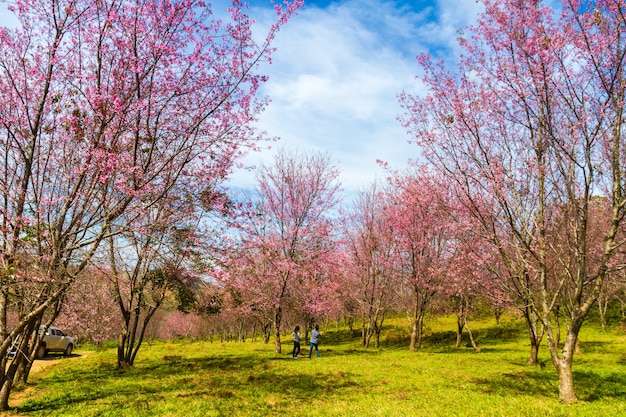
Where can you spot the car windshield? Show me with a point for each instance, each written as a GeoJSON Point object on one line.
{"type": "Point", "coordinates": [51, 331]}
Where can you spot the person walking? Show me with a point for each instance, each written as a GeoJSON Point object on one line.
{"type": "Point", "coordinates": [295, 336]}
{"type": "Point", "coordinates": [313, 343]}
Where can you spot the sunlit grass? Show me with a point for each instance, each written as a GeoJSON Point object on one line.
{"type": "Point", "coordinates": [184, 378]}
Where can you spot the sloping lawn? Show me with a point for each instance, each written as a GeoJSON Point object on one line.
{"type": "Point", "coordinates": [200, 378]}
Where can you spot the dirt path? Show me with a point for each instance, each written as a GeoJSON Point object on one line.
{"type": "Point", "coordinates": [48, 361]}
{"type": "Point", "coordinates": [18, 397]}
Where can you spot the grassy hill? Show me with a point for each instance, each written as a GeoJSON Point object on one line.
{"type": "Point", "coordinates": [199, 378]}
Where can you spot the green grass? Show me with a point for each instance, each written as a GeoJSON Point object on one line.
{"type": "Point", "coordinates": [185, 378]}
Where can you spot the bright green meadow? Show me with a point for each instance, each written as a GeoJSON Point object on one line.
{"type": "Point", "coordinates": [199, 378]}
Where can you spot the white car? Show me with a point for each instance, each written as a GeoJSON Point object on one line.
{"type": "Point", "coordinates": [54, 340]}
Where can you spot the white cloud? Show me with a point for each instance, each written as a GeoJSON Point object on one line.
{"type": "Point", "coordinates": [336, 75]}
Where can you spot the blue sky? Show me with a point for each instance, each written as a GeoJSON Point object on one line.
{"type": "Point", "coordinates": [334, 79]}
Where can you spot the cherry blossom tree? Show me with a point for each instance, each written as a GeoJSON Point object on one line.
{"type": "Point", "coordinates": [372, 251]}
{"type": "Point", "coordinates": [89, 312]}
{"type": "Point", "coordinates": [469, 277]}
{"type": "Point", "coordinates": [529, 127]}
{"type": "Point", "coordinates": [420, 220]}
{"type": "Point", "coordinates": [286, 245]}
{"type": "Point", "coordinates": [155, 260]}
{"type": "Point", "coordinates": [105, 106]}
{"type": "Point", "coordinates": [178, 324]}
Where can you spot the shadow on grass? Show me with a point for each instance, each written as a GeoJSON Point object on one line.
{"type": "Point", "coordinates": [497, 335]}
{"type": "Point", "coordinates": [398, 338]}
{"type": "Point", "coordinates": [524, 382]}
{"type": "Point", "coordinates": [227, 378]}
{"type": "Point", "coordinates": [53, 356]}
{"type": "Point", "coordinates": [590, 386]}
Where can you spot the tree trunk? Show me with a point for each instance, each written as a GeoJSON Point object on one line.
{"type": "Point", "coordinates": [566, 381]}
{"type": "Point", "coordinates": [4, 298]}
{"type": "Point", "coordinates": [7, 382]}
{"type": "Point", "coordinates": [364, 334]}
{"type": "Point", "coordinates": [5, 390]}
{"type": "Point", "coordinates": [497, 310]}
{"type": "Point", "coordinates": [413, 343]}
{"type": "Point", "coordinates": [416, 328]}
{"type": "Point", "coordinates": [603, 304]}
{"type": "Point", "coordinates": [363, 331]}
{"type": "Point", "coordinates": [533, 359]}
{"type": "Point", "coordinates": [377, 339]}
{"type": "Point", "coordinates": [563, 359]}
{"type": "Point", "coordinates": [420, 330]}
{"type": "Point", "coordinates": [534, 335]}
{"type": "Point", "coordinates": [267, 334]}
{"type": "Point", "coordinates": [32, 346]}
{"type": "Point", "coordinates": [459, 330]}
{"type": "Point", "coordinates": [277, 320]}
{"type": "Point", "coordinates": [471, 337]}
{"type": "Point", "coordinates": [310, 323]}
{"type": "Point", "coordinates": [122, 361]}
{"type": "Point", "coordinates": [23, 371]}
{"type": "Point", "coordinates": [243, 334]}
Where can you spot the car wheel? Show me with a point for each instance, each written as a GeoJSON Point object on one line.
{"type": "Point", "coordinates": [41, 352]}
{"type": "Point", "coordinates": [68, 350]}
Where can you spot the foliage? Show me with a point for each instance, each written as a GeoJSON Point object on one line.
{"type": "Point", "coordinates": [89, 313]}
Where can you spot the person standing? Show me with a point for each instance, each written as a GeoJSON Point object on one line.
{"type": "Point", "coordinates": [313, 343]}
{"type": "Point", "coordinates": [295, 336]}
